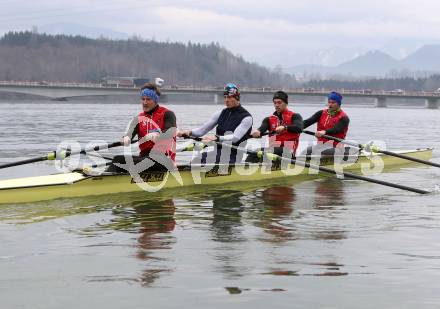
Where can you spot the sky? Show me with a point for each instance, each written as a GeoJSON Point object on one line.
{"type": "Point", "coordinates": [272, 33]}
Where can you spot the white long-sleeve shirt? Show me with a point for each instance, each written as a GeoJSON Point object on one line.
{"type": "Point", "coordinates": [237, 135]}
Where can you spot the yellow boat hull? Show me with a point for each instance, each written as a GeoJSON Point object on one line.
{"type": "Point", "coordinates": [77, 184]}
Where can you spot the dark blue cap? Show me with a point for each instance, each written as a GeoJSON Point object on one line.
{"type": "Point", "coordinates": [335, 96]}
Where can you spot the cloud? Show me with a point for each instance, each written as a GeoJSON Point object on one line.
{"type": "Point", "coordinates": [260, 31]}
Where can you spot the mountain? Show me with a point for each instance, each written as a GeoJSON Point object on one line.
{"type": "Point", "coordinates": [36, 57]}
{"type": "Point", "coordinates": [329, 56]}
{"type": "Point", "coordinates": [400, 48]}
{"type": "Point", "coordinates": [377, 64]}
{"type": "Point", "coordinates": [334, 56]}
{"type": "Point", "coordinates": [425, 58]}
{"type": "Point", "coordinates": [372, 63]}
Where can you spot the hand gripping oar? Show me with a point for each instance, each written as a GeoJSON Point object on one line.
{"type": "Point", "coordinates": [53, 155]}
{"type": "Point", "coordinates": [375, 149]}
{"type": "Point", "coordinates": [191, 147]}
{"type": "Point", "coordinates": [201, 146]}
{"type": "Point", "coordinates": [321, 168]}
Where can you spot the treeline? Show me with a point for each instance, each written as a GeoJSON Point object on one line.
{"type": "Point", "coordinates": [430, 83]}
{"type": "Point", "coordinates": [28, 56]}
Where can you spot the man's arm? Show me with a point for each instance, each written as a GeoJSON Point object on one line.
{"type": "Point", "coordinates": [207, 126]}
{"type": "Point", "coordinates": [297, 124]}
{"type": "Point", "coordinates": [264, 125]}
{"type": "Point", "coordinates": [132, 128]}
{"type": "Point", "coordinates": [314, 119]}
{"type": "Point", "coordinates": [169, 120]}
{"type": "Point", "coordinates": [239, 131]}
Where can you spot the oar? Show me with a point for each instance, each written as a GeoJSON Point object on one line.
{"type": "Point", "coordinates": [200, 146]}
{"type": "Point", "coordinates": [376, 149]}
{"type": "Point", "coordinates": [53, 155]}
{"type": "Point", "coordinates": [321, 168]}
{"type": "Point", "coordinates": [191, 147]}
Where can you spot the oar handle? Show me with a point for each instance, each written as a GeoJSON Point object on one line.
{"type": "Point", "coordinates": [191, 147]}
{"type": "Point", "coordinates": [101, 147]}
{"type": "Point", "coordinates": [263, 134]}
{"type": "Point", "coordinates": [199, 139]}
{"type": "Point", "coordinates": [335, 139]}
{"type": "Point", "coordinates": [64, 154]}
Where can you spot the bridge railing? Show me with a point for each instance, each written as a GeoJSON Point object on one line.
{"type": "Point", "coordinates": [308, 91]}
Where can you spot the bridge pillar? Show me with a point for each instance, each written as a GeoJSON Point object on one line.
{"type": "Point", "coordinates": [381, 102]}
{"type": "Point", "coordinates": [431, 103]}
{"type": "Point", "coordinates": [216, 98]}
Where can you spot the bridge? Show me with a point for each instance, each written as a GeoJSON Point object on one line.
{"type": "Point", "coordinates": [64, 91]}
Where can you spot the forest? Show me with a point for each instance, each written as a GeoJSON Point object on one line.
{"type": "Point", "coordinates": [30, 56]}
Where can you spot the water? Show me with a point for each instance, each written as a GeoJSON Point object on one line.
{"type": "Point", "coordinates": [323, 243]}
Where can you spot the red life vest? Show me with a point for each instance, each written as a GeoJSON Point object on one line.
{"type": "Point", "coordinates": [285, 138]}
{"type": "Point", "coordinates": [155, 123]}
{"type": "Point", "coordinates": [327, 122]}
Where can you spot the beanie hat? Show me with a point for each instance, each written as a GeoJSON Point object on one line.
{"type": "Point", "coordinates": [335, 96]}
{"type": "Point", "coordinates": [231, 90]}
{"type": "Point", "coordinates": [281, 95]}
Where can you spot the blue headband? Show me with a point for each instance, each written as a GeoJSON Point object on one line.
{"type": "Point", "coordinates": [335, 97]}
{"type": "Point", "coordinates": [151, 94]}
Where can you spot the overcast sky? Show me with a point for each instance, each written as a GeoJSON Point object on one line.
{"type": "Point", "coordinates": [268, 32]}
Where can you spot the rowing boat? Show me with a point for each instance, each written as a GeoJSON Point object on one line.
{"type": "Point", "coordinates": [79, 183]}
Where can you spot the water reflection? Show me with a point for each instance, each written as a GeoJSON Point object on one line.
{"type": "Point", "coordinates": [278, 202]}
{"type": "Point", "coordinates": [155, 225]}
{"type": "Point", "coordinates": [286, 215]}
{"type": "Point", "coordinates": [226, 217]}
{"type": "Point", "coordinates": [227, 231]}
{"type": "Point", "coordinates": [328, 199]}
{"type": "Point", "coordinates": [329, 192]}
{"type": "Point", "coordinates": [289, 214]}
{"type": "Point", "coordinates": [154, 222]}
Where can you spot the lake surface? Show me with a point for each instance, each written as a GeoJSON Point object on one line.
{"type": "Point", "coordinates": [324, 243]}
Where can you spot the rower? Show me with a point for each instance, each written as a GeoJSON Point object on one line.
{"type": "Point", "coordinates": [233, 125]}
{"type": "Point", "coordinates": [155, 127]}
{"type": "Point", "coordinates": [332, 121]}
{"type": "Point", "coordinates": [284, 126]}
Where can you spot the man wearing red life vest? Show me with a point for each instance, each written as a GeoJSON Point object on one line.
{"type": "Point", "coordinates": [332, 121]}
{"type": "Point", "coordinates": [155, 127]}
{"type": "Point", "coordinates": [284, 126]}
